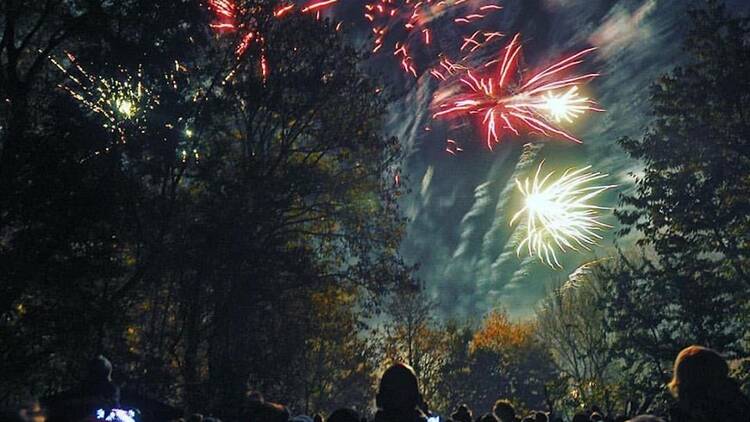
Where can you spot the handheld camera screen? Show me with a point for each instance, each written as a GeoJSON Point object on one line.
{"type": "Point", "coordinates": [116, 415]}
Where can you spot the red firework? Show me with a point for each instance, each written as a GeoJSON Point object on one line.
{"type": "Point", "coordinates": [507, 101]}
{"type": "Point", "coordinates": [228, 17]}
{"type": "Point", "coordinates": [401, 26]}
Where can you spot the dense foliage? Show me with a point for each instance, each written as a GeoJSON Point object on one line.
{"type": "Point", "coordinates": [233, 230]}
{"type": "Point", "coordinates": [182, 244]}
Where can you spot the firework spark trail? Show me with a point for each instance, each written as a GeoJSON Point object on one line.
{"type": "Point", "coordinates": [558, 215]}
{"type": "Point", "coordinates": [125, 102]}
{"type": "Point", "coordinates": [234, 16]}
{"type": "Point", "coordinates": [401, 27]}
{"type": "Point", "coordinates": [318, 5]}
{"type": "Point", "coordinates": [580, 275]}
{"type": "Point", "coordinates": [507, 102]}
{"type": "Point", "coordinates": [122, 102]}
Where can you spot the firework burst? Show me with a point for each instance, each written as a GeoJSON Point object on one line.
{"type": "Point", "coordinates": [558, 213]}
{"type": "Point", "coordinates": [401, 27]}
{"type": "Point", "coordinates": [506, 101]}
{"type": "Point", "coordinates": [242, 18]}
{"type": "Point", "coordinates": [121, 101]}
{"type": "Point", "coordinates": [129, 106]}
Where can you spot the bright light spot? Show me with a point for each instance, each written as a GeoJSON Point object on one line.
{"type": "Point", "coordinates": [188, 133]}
{"type": "Point", "coordinates": [538, 203]}
{"type": "Point", "coordinates": [558, 214]}
{"type": "Point", "coordinates": [566, 106]}
{"type": "Point", "coordinates": [126, 108]}
{"type": "Point", "coordinates": [116, 415]}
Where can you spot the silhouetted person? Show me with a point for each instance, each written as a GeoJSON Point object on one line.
{"type": "Point", "coordinates": [462, 414]}
{"type": "Point", "coordinates": [505, 411]}
{"type": "Point", "coordinates": [398, 398]}
{"type": "Point", "coordinates": [319, 418]}
{"type": "Point", "coordinates": [580, 417]}
{"type": "Point", "coordinates": [488, 417]}
{"type": "Point", "coordinates": [596, 417]}
{"type": "Point", "coordinates": [704, 390]}
{"type": "Point", "coordinates": [344, 415]}
{"type": "Point", "coordinates": [95, 391]}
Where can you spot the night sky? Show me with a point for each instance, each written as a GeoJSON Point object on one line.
{"type": "Point", "coordinates": [460, 207]}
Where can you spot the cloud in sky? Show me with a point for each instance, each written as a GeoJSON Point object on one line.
{"type": "Point", "coordinates": [622, 27]}
{"type": "Point", "coordinates": [461, 206]}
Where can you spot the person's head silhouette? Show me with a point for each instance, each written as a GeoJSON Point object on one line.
{"type": "Point", "coordinates": [462, 414]}
{"type": "Point", "coordinates": [504, 411]}
{"type": "Point", "coordinates": [99, 369]}
{"type": "Point", "coordinates": [399, 389]}
{"type": "Point", "coordinates": [697, 369]}
{"type": "Point", "coordinates": [702, 386]}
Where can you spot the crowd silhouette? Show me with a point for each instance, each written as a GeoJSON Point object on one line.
{"type": "Point", "coordinates": [701, 386]}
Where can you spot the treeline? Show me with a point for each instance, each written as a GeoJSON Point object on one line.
{"type": "Point", "coordinates": [204, 222]}
{"type": "Point", "coordinates": [234, 224]}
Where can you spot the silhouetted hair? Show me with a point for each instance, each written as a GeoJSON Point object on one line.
{"type": "Point", "coordinates": [399, 388]}
{"type": "Point", "coordinates": [462, 414]}
{"type": "Point", "coordinates": [541, 417]}
{"type": "Point", "coordinates": [703, 388]}
{"type": "Point", "coordinates": [697, 368]}
{"type": "Point", "coordinates": [504, 411]}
